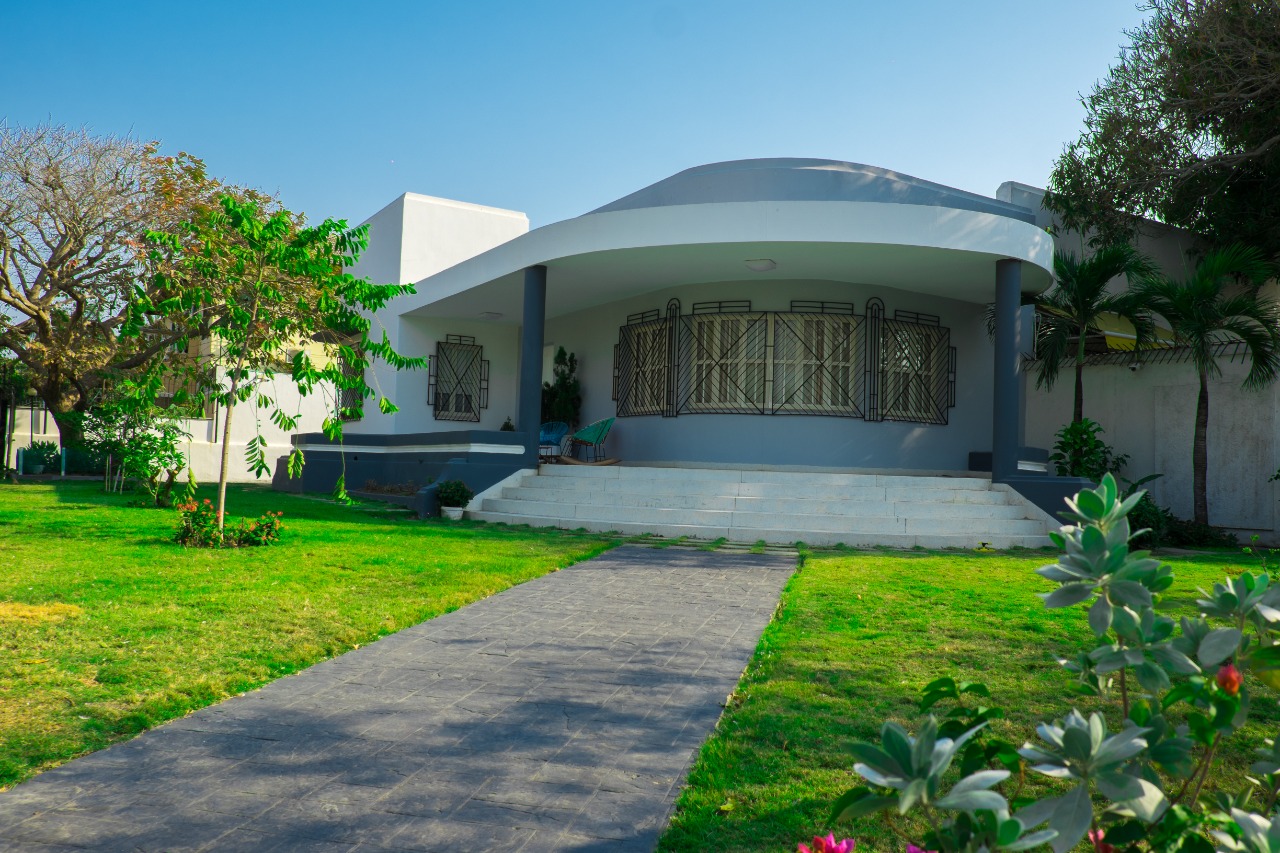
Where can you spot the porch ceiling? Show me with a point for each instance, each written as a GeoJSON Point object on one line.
{"type": "Point", "coordinates": [605, 257]}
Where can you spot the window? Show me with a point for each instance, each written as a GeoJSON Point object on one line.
{"type": "Point", "coordinates": [821, 360]}
{"type": "Point", "coordinates": [727, 362]}
{"type": "Point", "coordinates": [817, 364]}
{"type": "Point", "coordinates": [641, 361]}
{"type": "Point", "coordinates": [458, 382]}
{"type": "Point", "coordinates": [915, 361]}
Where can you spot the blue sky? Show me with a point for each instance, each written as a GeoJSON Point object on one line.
{"type": "Point", "coordinates": [555, 108]}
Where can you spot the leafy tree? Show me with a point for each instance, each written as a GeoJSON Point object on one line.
{"type": "Point", "coordinates": [263, 284]}
{"type": "Point", "coordinates": [74, 209]}
{"type": "Point", "coordinates": [562, 398]}
{"type": "Point", "coordinates": [1072, 308]}
{"type": "Point", "coordinates": [1207, 310]}
{"type": "Point", "coordinates": [1185, 128]}
{"type": "Point", "coordinates": [142, 442]}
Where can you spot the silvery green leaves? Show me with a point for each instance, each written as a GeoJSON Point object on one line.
{"type": "Point", "coordinates": [914, 768]}
{"type": "Point", "coordinates": [1248, 598]}
{"type": "Point", "coordinates": [1097, 560]}
{"type": "Point", "coordinates": [1211, 646]}
{"type": "Point", "coordinates": [906, 772]}
{"type": "Point", "coordinates": [1081, 749]}
{"type": "Point", "coordinates": [1252, 834]}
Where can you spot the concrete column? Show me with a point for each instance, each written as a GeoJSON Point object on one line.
{"type": "Point", "coordinates": [529, 413]}
{"type": "Point", "coordinates": [1008, 405]}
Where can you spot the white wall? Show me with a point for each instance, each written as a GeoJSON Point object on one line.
{"type": "Point", "coordinates": [1150, 415]}
{"type": "Point", "coordinates": [410, 239]}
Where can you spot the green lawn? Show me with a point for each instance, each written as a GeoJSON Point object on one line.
{"type": "Point", "coordinates": [107, 628]}
{"type": "Point", "coordinates": [856, 638]}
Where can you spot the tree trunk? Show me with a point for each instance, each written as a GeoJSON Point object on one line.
{"type": "Point", "coordinates": [226, 456]}
{"type": "Point", "coordinates": [1079, 409]}
{"type": "Point", "coordinates": [1200, 453]}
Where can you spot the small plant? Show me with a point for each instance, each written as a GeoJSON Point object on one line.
{"type": "Point", "coordinates": [454, 493]}
{"type": "Point", "coordinates": [43, 453]}
{"type": "Point", "coordinates": [1079, 452]}
{"type": "Point", "coordinates": [507, 426]}
{"type": "Point", "coordinates": [199, 528]}
{"type": "Point", "coordinates": [1268, 557]}
{"type": "Point", "coordinates": [263, 531]}
{"type": "Point", "coordinates": [562, 397]}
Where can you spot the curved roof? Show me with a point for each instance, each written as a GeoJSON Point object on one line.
{"type": "Point", "coordinates": [804, 179]}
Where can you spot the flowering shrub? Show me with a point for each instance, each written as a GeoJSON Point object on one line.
{"type": "Point", "coordinates": [1132, 790]}
{"type": "Point", "coordinates": [827, 845]}
{"type": "Point", "coordinates": [199, 528]}
{"type": "Point", "coordinates": [264, 531]}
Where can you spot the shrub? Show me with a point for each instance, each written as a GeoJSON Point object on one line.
{"type": "Point", "coordinates": [1180, 693]}
{"type": "Point", "coordinates": [1079, 452]}
{"type": "Point", "coordinates": [46, 453]}
{"type": "Point", "coordinates": [454, 493]}
{"type": "Point", "coordinates": [199, 528]}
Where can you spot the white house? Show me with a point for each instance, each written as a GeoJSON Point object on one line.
{"type": "Point", "coordinates": [753, 322]}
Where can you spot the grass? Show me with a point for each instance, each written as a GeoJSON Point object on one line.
{"type": "Point", "coordinates": [856, 637]}
{"type": "Point", "coordinates": [107, 628]}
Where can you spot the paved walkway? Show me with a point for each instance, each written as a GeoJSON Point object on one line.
{"type": "Point", "coordinates": [560, 715]}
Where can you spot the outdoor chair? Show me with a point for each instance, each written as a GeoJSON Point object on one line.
{"type": "Point", "coordinates": [550, 438]}
{"type": "Point", "coordinates": [591, 439]}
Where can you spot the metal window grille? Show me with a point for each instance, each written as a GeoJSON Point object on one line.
{"type": "Point", "coordinates": [915, 368]}
{"type": "Point", "coordinates": [724, 362]}
{"type": "Point", "coordinates": [458, 380]}
{"type": "Point", "coordinates": [642, 366]}
{"type": "Point", "coordinates": [817, 364]}
{"type": "Point", "coordinates": [824, 361]}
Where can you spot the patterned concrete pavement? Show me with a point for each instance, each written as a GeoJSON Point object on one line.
{"type": "Point", "coordinates": [559, 715]}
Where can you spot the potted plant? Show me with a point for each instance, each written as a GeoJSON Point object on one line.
{"type": "Point", "coordinates": [40, 455]}
{"type": "Point", "coordinates": [453, 495]}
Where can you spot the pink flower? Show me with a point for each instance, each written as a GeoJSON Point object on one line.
{"type": "Point", "coordinates": [1230, 679]}
{"type": "Point", "coordinates": [1095, 837]}
{"type": "Point", "coordinates": [911, 848]}
{"type": "Point", "coordinates": [827, 845]}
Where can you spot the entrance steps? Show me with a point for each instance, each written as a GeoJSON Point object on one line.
{"type": "Point", "coordinates": [821, 509]}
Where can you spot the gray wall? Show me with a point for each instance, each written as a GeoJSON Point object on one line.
{"type": "Point", "coordinates": [787, 439]}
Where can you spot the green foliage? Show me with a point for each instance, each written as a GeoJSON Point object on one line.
{"type": "Point", "coordinates": [562, 397]}
{"type": "Point", "coordinates": [454, 493]}
{"type": "Point", "coordinates": [265, 287]}
{"type": "Point", "coordinates": [1182, 129]}
{"type": "Point", "coordinates": [142, 443]}
{"type": "Point", "coordinates": [1080, 452]}
{"type": "Point", "coordinates": [46, 453]}
{"type": "Point", "coordinates": [199, 528]}
{"type": "Point", "coordinates": [507, 426]}
{"type": "Point", "coordinates": [1138, 786]}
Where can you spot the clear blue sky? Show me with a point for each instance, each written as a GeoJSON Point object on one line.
{"type": "Point", "coordinates": [554, 108]}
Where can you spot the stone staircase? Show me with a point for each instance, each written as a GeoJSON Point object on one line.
{"type": "Point", "coordinates": [870, 509]}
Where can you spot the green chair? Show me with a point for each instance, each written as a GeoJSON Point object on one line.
{"type": "Point", "coordinates": [591, 439]}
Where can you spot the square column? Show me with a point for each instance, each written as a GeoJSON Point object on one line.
{"type": "Point", "coordinates": [1007, 413]}
{"type": "Point", "coordinates": [529, 410]}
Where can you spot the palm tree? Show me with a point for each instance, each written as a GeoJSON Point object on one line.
{"type": "Point", "coordinates": [1071, 309]}
{"type": "Point", "coordinates": [1207, 310]}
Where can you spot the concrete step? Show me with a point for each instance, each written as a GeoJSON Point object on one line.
{"type": "Point", "coordinates": [723, 475]}
{"type": "Point", "coordinates": [839, 492]}
{"type": "Point", "coordinates": [797, 506]}
{"type": "Point", "coordinates": [769, 535]}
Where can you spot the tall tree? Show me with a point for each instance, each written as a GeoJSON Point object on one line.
{"type": "Point", "coordinates": [1185, 129]}
{"type": "Point", "coordinates": [74, 211]}
{"type": "Point", "coordinates": [1075, 305]}
{"type": "Point", "coordinates": [265, 287]}
{"type": "Point", "coordinates": [1218, 304]}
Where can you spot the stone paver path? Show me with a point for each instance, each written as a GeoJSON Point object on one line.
{"type": "Point", "coordinates": [561, 714]}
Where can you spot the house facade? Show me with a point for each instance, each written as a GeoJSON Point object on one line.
{"type": "Point", "coordinates": [780, 312]}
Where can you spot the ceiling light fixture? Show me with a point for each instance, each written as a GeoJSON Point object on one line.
{"type": "Point", "coordinates": [761, 264]}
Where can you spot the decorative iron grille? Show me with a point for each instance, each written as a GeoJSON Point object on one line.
{"type": "Point", "coordinates": [458, 380]}
{"type": "Point", "coordinates": [826, 360]}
